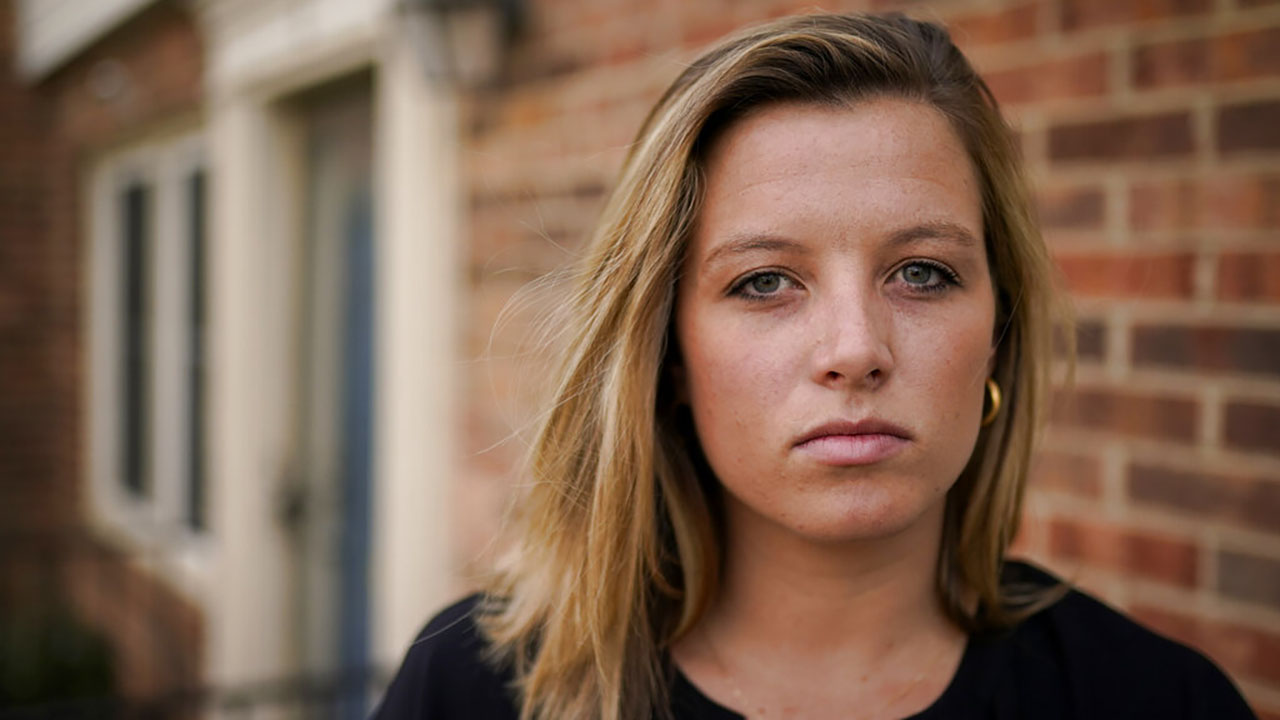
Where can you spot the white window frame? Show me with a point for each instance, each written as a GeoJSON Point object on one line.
{"type": "Point", "coordinates": [155, 527]}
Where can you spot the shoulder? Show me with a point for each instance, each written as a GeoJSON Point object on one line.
{"type": "Point", "coordinates": [1105, 662]}
{"type": "Point", "coordinates": [447, 672]}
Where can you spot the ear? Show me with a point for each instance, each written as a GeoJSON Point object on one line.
{"type": "Point", "coordinates": [993, 352]}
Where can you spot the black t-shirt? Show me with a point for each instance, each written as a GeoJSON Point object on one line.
{"type": "Point", "coordinates": [1076, 659]}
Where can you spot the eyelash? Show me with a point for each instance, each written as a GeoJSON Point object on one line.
{"type": "Point", "coordinates": [949, 279]}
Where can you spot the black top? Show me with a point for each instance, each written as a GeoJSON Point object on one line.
{"type": "Point", "coordinates": [1075, 659]}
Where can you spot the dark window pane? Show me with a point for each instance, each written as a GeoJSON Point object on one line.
{"type": "Point", "coordinates": [135, 218]}
{"type": "Point", "coordinates": [196, 352]}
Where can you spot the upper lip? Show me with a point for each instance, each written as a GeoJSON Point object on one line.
{"type": "Point", "coordinates": [867, 426]}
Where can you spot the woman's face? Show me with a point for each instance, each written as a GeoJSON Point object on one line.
{"type": "Point", "coordinates": [834, 317]}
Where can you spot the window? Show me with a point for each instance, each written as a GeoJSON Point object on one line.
{"type": "Point", "coordinates": [195, 471]}
{"type": "Point", "coordinates": [148, 342]}
{"type": "Point", "coordinates": [135, 217]}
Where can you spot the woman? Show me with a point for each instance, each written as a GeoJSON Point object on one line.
{"type": "Point", "coordinates": [788, 446]}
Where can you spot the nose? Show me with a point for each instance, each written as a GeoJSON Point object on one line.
{"type": "Point", "coordinates": [853, 348]}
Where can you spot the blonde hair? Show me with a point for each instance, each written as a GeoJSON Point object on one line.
{"type": "Point", "coordinates": [617, 551]}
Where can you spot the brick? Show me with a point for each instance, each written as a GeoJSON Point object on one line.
{"type": "Point", "coordinates": [1225, 58]}
{"type": "Point", "coordinates": [1129, 413]}
{"type": "Point", "coordinates": [1249, 277]}
{"type": "Point", "coordinates": [701, 28]}
{"type": "Point", "coordinates": [1249, 127]}
{"type": "Point", "coordinates": [1068, 473]}
{"type": "Point", "coordinates": [1171, 64]}
{"type": "Point", "coordinates": [1091, 340]}
{"type": "Point", "coordinates": [1245, 55]}
{"type": "Point", "coordinates": [1242, 201]}
{"type": "Point", "coordinates": [1244, 651]}
{"type": "Point", "coordinates": [1078, 77]}
{"type": "Point", "coordinates": [1164, 559]}
{"type": "Point", "coordinates": [1072, 208]}
{"type": "Point", "coordinates": [524, 110]}
{"type": "Point", "coordinates": [1217, 349]}
{"type": "Point", "coordinates": [888, 5]}
{"type": "Point", "coordinates": [1147, 137]}
{"type": "Point", "coordinates": [1024, 541]}
{"type": "Point", "coordinates": [1249, 500]}
{"type": "Point", "coordinates": [1082, 14]}
{"type": "Point", "coordinates": [1252, 426]}
{"type": "Point", "coordinates": [1167, 275]}
{"type": "Point", "coordinates": [993, 27]}
{"type": "Point", "coordinates": [1248, 577]}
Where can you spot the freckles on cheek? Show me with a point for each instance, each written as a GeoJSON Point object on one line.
{"type": "Point", "coordinates": [733, 384]}
{"type": "Point", "coordinates": [745, 375]}
{"type": "Point", "coordinates": [952, 368]}
{"type": "Point", "coordinates": [964, 388]}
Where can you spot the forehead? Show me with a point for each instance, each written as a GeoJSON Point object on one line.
{"type": "Point", "coordinates": [872, 167]}
{"type": "Point", "coordinates": [869, 133]}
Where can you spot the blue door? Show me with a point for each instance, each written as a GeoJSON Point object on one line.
{"type": "Point", "coordinates": [335, 409]}
{"type": "Point", "coordinates": [357, 436]}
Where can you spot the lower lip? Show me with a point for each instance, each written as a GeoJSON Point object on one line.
{"type": "Point", "coordinates": [853, 449]}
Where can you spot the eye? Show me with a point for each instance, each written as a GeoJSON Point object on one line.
{"type": "Point", "coordinates": [761, 285]}
{"type": "Point", "coordinates": [927, 276]}
{"type": "Point", "coordinates": [766, 283]}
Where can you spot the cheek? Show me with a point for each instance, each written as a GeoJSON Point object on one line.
{"type": "Point", "coordinates": [949, 363]}
{"type": "Point", "coordinates": [734, 377]}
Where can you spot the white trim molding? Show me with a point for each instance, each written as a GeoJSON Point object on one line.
{"type": "Point", "coordinates": [51, 32]}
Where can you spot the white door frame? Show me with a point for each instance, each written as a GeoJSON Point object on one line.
{"type": "Point", "coordinates": [259, 54]}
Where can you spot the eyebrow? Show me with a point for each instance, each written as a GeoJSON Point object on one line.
{"type": "Point", "coordinates": [939, 230]}
{"type": "Point", "coordinates": [750, 242]}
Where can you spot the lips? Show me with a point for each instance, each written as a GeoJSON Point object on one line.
{"type": "Point", "coordinates": [845, 443]}
{"type": "Point", "coordinates": [869, 426]}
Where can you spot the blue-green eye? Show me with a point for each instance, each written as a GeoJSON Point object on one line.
{"type": "Point", "coordinates": [766, 283]}
{"type": "Point", "coordinates": [927, 276]}
{"type": "Point", "coordinates": [761, 285]}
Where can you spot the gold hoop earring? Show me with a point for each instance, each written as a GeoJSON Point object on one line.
{"type": "Point", "coordinates": [994, 391]}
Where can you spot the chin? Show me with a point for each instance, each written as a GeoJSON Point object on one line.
{"type": "Point", "coordinates": [863, 525]}
{"type": "Point", "coordinates": [861, 514]}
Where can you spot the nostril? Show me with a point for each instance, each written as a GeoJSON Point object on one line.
{"type": "Point", "coordinates": [875, 375]}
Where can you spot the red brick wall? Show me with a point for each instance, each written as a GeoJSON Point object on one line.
{"type": "Point", "coordinates": [1153, 129]}
{"type": "Point", "coordinates": [48, 132]}
{"type": "Point", "coordinates": [37, 446]}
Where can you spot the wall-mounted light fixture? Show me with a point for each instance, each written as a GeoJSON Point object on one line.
{"type": "Point", "coordinates": [463, 41]}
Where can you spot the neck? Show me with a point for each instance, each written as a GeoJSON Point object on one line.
{"type": "Point", "coordinates": [815, 629]}
{"type": "Point", "coordinates": [860, 599]}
